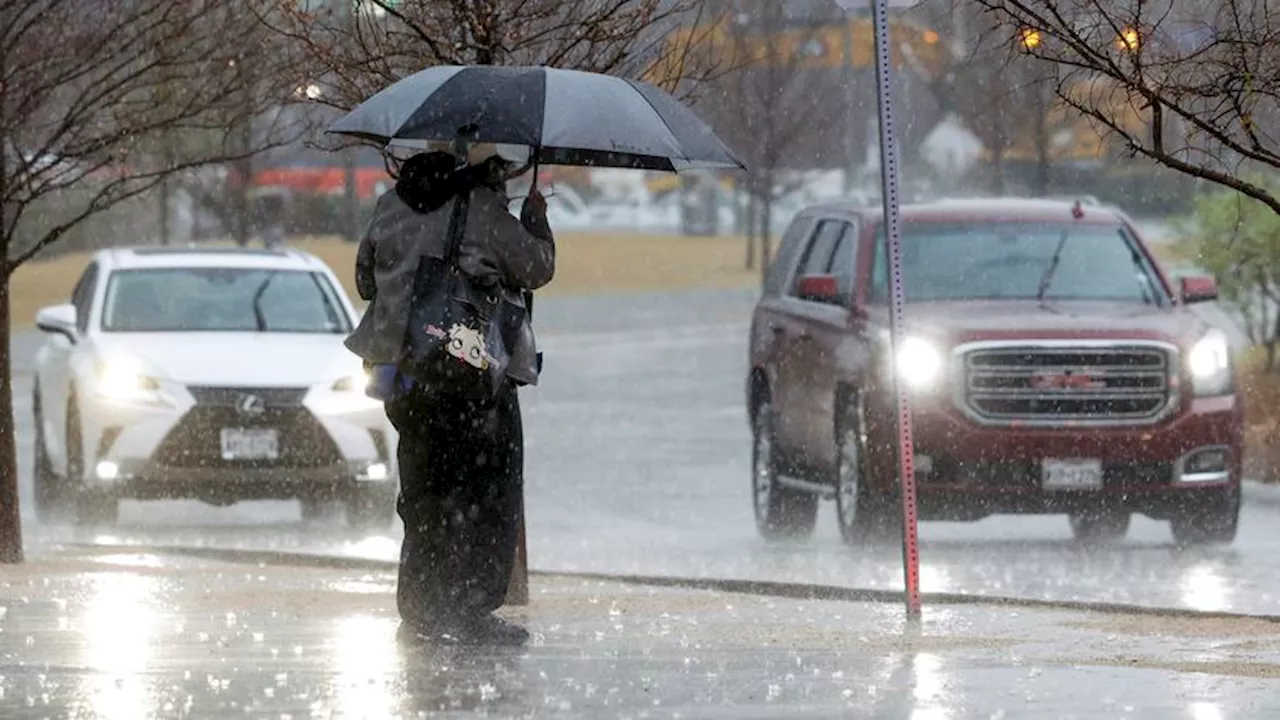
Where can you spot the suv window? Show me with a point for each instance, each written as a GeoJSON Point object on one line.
{"type": "Point", "coordinates": [817, 256]}
{"type": "Point", "coordinates": [1007, 260]}
{"type": "Point", "coordinates": [831, 251]}
{"type": "Point", "coordinates": [82, 295]}
{"type": "Point", "coordinates": [843, 262]}
{"type": "Point", "coordinates": [793, 241]}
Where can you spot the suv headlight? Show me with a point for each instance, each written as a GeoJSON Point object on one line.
{"type": "Point", "coordinates": [918, 363]}
{"type": "Point", "coordinates": [1209, 364]}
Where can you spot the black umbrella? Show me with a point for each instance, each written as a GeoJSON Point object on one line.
{"type": "Point", "coordinates": [570, 117]}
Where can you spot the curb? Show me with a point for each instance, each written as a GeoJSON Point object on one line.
{"type": "Point", "coordinates": [790, 591]}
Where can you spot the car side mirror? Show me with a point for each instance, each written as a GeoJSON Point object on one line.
{"type": "Point", "coordinates": [1198, 288]}
{"type": "Point", "coordinates": [819, 288]}
{"type": "Point", "coordinates": [59, 319]}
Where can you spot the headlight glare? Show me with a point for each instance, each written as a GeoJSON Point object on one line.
{"type": "Point", "coordinates": [1209, 363]}
{"type": "Point", "coordinates": [918, 363]}
{"type": "Point", "coordinates": [355, 382]}
{"type": "Point", "coordinates": [120, 379]}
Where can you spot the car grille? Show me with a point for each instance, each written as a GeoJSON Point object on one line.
{"type": "Point", "coordinates": [195, 442]}
{"type": "Point", "coordinates": [1066, 385]}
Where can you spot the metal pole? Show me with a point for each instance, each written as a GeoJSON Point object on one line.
{"type": "Point", "coordinates": [889, 181]}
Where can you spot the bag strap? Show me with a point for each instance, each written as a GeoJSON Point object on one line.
{"type": "Point", "coordinates": [457, 226]}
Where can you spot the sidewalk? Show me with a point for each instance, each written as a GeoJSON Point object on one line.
{"type": "Point", "coordinates": [132, 635]}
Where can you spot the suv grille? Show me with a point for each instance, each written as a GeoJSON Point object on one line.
{"type": "Point", "coordinates": [1059, 385]}
{"type": "Point", "coordinates": [195, 442]}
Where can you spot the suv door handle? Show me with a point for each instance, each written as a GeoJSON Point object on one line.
{"type": "Point", "coordinates": [777, 329]}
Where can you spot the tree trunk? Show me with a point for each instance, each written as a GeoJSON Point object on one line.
{"type": "Point", "coordinates": [351, 202]}
{"type": "Point", "coordinates": [766, 224]}
{"type": "Point", "coordinates": [10, 516]}
{"type": "Point", "coordinates": [751, 230]}
{"type": "Point", "coordinates": [997, 171]}
{"type": "Point", "coordinates": [163, 190]}
{"type": "Point", "coordinates": [1042, 144]}
{"type": "Point", "coordinates": [1271, 343]}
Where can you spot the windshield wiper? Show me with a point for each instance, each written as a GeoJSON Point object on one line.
{"type": "Point", "coordinates": [1047, 278]}
{"type": "Point", "coordinates": [258, 315]}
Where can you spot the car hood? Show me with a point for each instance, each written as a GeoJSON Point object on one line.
{"type": "Point", "coordinates": [966, 321]}
{"type": "Point", "coordinates": [236, 359]}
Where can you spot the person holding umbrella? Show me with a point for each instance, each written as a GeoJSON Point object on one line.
{"type": "Point", "coordinates": [561, 117]}
{"type": "Point", "coordinates": [460, 460]}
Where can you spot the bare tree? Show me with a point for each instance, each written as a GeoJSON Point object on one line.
{"type": "Point", "coordinates": [91, 106]}
{"type": "Point", "coordinates": [1201, 79]}
{"type": "Point", "coordinates": [360, 47]}
{"type": "Point", "coordinates": [775, 97]}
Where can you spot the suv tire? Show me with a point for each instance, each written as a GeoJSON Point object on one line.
{"type": "Point", "coordinates": [781, 512]}
{"type": "Point", "coordinates": [1100, 526]}
{"type": "Point", "coordinates": [1211, 522]}
{"type": "Point", "coordinates": [862, 517]}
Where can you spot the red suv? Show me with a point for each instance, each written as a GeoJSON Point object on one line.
{"type": "Point", "coordinates": [1053, 368]}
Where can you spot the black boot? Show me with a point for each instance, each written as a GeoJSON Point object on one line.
{"type": "Point", "coordinates": [493, 630]}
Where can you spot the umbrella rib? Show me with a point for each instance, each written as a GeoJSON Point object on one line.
{"type": "Point", "coordinates": [684, 156]}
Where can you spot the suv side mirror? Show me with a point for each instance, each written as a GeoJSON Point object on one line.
{"type": "Point", "coordinates": [1198, 288]}
{"type": "Point", "coordinates": [60, 319]}
{"type": "Point", "coordinates": [818, 288]}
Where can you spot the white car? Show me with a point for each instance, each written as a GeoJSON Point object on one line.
{"type": "Point", "coordinates": [214, 374]}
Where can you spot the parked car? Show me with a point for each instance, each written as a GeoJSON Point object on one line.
{"type": "Point", "coordinates": [215, 374]}
{"type": "Point", "coordinates": [1051, 364]}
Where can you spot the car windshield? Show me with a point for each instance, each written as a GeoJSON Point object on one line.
{"type": "Point", "coordinates": [220, 299]}
{"type": "Point", "coordinates": [1009, 260]}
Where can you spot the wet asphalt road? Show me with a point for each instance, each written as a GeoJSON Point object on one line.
{"type": "Point", "coordinates": [133, 635]}
{"type": "Point", "coordinates": [638, 463]}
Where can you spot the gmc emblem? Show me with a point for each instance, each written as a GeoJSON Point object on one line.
{"type": "Point", "coordinates": [1066, 380]}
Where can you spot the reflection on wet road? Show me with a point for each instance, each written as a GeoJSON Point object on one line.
{"type": "Point", "coordinates": [638, 463]}
{"type": "Point", "coordinates": [127, 636]}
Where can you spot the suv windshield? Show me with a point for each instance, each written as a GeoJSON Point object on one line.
{"type": "Point", "coordinates": [222, 300]}
{"type": "Point", "coordinates": [1009, 260]}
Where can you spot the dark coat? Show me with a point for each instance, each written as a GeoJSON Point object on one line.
{"type": "Point", "coordinates": [518, 255]}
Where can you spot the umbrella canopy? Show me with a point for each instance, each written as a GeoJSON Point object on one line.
{"type": "Point", "coordinates": [569, 117]}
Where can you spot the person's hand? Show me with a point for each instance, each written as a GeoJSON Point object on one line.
{"type": "Point", "coordinates": [534, 202]}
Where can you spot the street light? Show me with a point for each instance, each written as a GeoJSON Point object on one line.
{"type": "Point", "coordinates": [1128, 39]}
{"type": "Point", "coordinates": [1030, 38]}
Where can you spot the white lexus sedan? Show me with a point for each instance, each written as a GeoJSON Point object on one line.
{"type": "Point", "coordinates": [215, 374]}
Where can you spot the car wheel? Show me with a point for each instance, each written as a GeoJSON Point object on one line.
{"type": "Point", "coordinates": [50, 490]}
{"type": "Point", "coordinates": [781, 512]}
{"type": "Point", "coordinates": [1208, 523]}
{"type": "Point", "coordinates": [92, 508]}
{"type": "Point", "coordinates": [1100, 526]}
{"type": "Point", "coordinates": [96, 509]}
{"type": "Point", "coordinates": [861, 516]}
{"type": "Point", "coordinates": [314, 508]}
{"type": "Point", "coordinates": [370, 510]}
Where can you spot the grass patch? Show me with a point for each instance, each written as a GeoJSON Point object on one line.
{"type": "Point", "coordinates": [587, 264]}
{"type": "Point", "coordinates": [1260, 389]}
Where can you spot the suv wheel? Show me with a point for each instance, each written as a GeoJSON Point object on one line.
{"type": "Point", "coordinates": [50, 490]}
{"type": "Point", "coordinates": [781, 512]}
{"type": "Point", "coordinates": [370, 510]}
{"type": "Point", "coordinates": [860, 517]}
{"type": "Point", "coordinates": [1213, 522]}
{"type": "Point", "coordinates": [1100, 526]}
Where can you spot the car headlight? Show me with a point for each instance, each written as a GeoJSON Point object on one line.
{"type": "Point", "coordinates": [355, 382]}
{"type": "Point", "coordinates": [918, 363]}
{"type": "Point", "coordinates": [1209, 364]}
{"type": "Point", "coordinates": [123, 379]}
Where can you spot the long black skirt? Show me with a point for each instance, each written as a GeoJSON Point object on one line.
{"type": "Point", "coordinates": [461, 487]}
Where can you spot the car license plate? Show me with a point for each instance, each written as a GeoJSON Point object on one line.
{"type": "Point", "coordinates": [1071, 474]}
{"type": "Point", "coordinates": [250, 444]}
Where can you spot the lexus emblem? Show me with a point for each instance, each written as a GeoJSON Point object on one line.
{"type": "Point", "coordinates": [250, 405]}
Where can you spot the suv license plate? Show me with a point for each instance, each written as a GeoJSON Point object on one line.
{"type": "Point", "coordinates": [250, 444]}
{"type": "Point", "coordinates": [1071, 474]}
